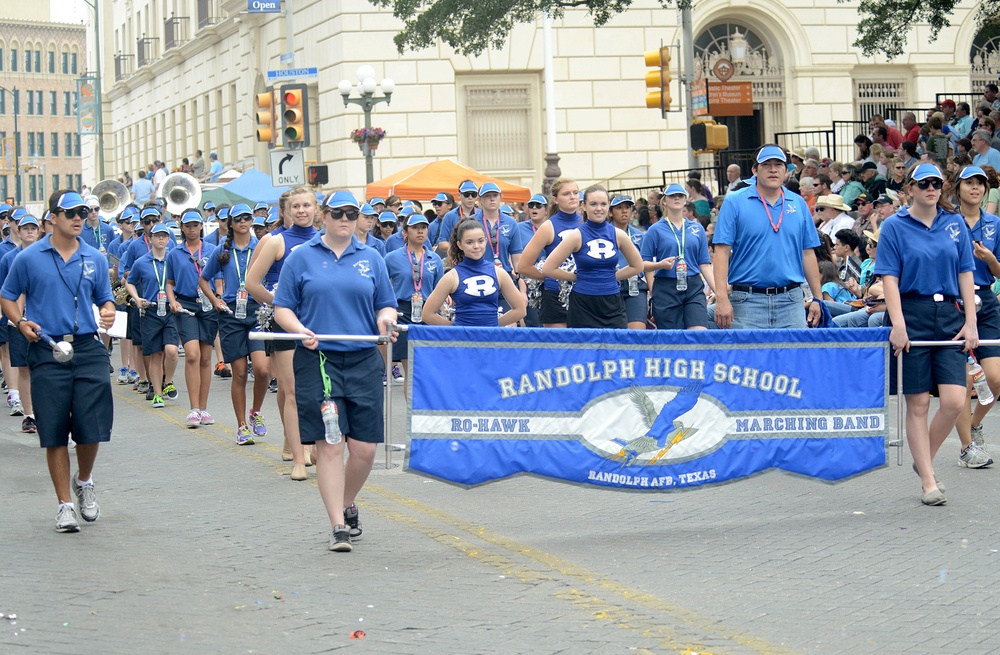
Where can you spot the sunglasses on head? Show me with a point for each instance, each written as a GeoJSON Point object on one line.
{"type": "Point", "coordinates": [241, 218]}
{"type": "Point", "coordinates": [82, 212]}
{"type": "Point", "coordinates": [933, 182]}
{"type": "Point", "coordinates": [471, 194]}
{"type": "Point", "coordinates": [349, 214]}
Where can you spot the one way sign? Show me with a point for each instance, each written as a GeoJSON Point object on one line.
{"type": "Point", "coordinates": [288, 168]}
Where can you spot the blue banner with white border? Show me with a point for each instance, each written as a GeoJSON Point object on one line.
{"type": "Point", "coordinates": [645, 410]}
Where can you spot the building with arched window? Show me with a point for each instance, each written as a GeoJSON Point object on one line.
{"type": "Point", "coordinates": [182, 75]}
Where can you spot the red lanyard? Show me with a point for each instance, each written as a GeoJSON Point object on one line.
{"type": "Point", "coordinates": [489, 238]}
{"type": "Point", "coordinates": [195, 259]}
{"type": "Point", "coordinates": [781, 215]}
{"type": "Point", "coordinates": [418, 272]}
{"type": "Point", "coordinates": [145, 239]}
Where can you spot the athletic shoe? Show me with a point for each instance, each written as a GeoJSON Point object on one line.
{"type": "Point", "coordinates": [353, 524]}
{"type": "Point", "coordinates": [397, 374]}
{"type": "Point", "coordinates": [86, 497]}
{"type": "Point", "coordinates": [250, 371]}
{"type": "Point", "coordinates": [66, 519]}
{"type": "Point", "coordinates": [133, 376]}
{"type": "Point", "coordinates": [150, 394]}
{"type": "Point", "coordinates": [206, 419]}
{"type": "Point", "coordinates": [977, 435]}
{"type": "Point", "coordinates": [272, 386]}
{"type": "Point", "coordinates": [383, 380]}
{"type": "Point", "coordinates": [28, 425]}
{"type": "Point", "coordinates": [218, 369]}
{"type": "Point", "coordinates": [194, 418]}
{"type": "Point", "coordinates": [244, 437]}
{"type": "Point", "coordinates": [16, 409]}
{"type": "Point", "coordinates": [340, 539]}
{"type": "Point", "coordinates": [974, 457]}
{"type": "Point", "coordinates": [257, 420]}
{"type": "Point", "coordinates": [156, 401]}
{"type": "Point", "coordinates": [144, 387]}
{"type": "Point", "coordinates": [225, 372]}
{"type": "Point", "coordinates": [123, 375]}
{"type": "Point", "coordinates": [170, 391]}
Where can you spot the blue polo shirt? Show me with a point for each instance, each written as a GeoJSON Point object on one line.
{"type": "Point", "coordinates": [991, 158]}
{"type": "Point", "coordinates": [502, 236]}
{"type": "Point", "coordinates": [401, 263]}
{"type": "Point", "coordinates": [99, 237]}
{"type": "Point", "coordinates": [231, 277]}
{"type": "Point", "coordinates": [985, 232]}
{"type": "Point", "coordinates": [376, 243]}
{"type": "Point", "coordinates": [7, 246]}
{"type": "Point", "coordinates": [760, 256]}
{"type": "Point", "coordinates": [926, 260]}
{"type": "Point", "coordinates": [213, 238]}
{"type": "Point", "coordinates": [50, 285]}
{"type": "Point", "coordinates": [135, 249]}
{"type": "Point", "coordinates": [148, 274]}
{"type": "Point", "coordinates": [5, 263]}
{"type": "Point", "coordinates": [448, 223]}
{"type": "Point", "coordinates": [663, 241]}
{"type": "Point", "coordinates": [336, 295]}
{"type": "Point", "coordinates": [115, 245]}
{"type": "Point", "coordinates": [394, 242]}
{"type": "Point", "coordinates": [182, 272]}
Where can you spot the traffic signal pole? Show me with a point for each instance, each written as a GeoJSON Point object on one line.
{"type": "Point", "coordinates": [687, 53]}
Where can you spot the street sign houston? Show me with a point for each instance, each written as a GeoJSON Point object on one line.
{"type": "Point", "coordinates": [289, 74]}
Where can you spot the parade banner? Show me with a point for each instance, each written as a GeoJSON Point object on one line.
{"type": "Point", "coordinates": [86, 106]}
{"type": "Point", "coordinates": [638, 410]}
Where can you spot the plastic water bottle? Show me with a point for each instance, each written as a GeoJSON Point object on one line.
{"type": "Point", "coordinates": [979, 382]}
{"type": "Point", "coordinates": [331, 422]}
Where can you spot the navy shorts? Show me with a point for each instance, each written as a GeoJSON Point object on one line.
{"type": "Point", "coordinates": [926, 368]}
{"type": "Point", "coordinates": [4, 323]}
{"type": "Point", "coordinates": [552, 310]}
{"type": "Point", "coordinates": [400, 349]}
{"type": "Point", "coordinates": [356, 386]}
{"type": "Point", "coordinates": [678, 310]}
{"type": "Point", "coordinates": [233, 333]}
{"type": "Point", "coordinates": [203, 326]}
{"type": "Point", "coordinates": [636, 307]}
{"type": "Point", "coordinates": [277, 346]}
{"type": "Point", "coordinates": [18, 346]}
{"type": "Point", "coordinates": [987, 320]}
{"type": "Point", "coordinates": [74, 397]}
{"type": "Point", "coordinates": [133, 330]}
{"type": "Point", "coordinates": [158, 332]}
{"type": "Point", "coordinates": [587, 311]}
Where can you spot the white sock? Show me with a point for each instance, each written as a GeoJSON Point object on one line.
{"type": "Point", "coordinates": [14, 395]}
{"type": "Point", "coordinates": [69, 505]}
{"type": "Point", "coordinates": [81, 482]}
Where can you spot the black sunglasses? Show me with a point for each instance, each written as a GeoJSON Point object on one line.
{"type": "Point", "coordinates": [148, 221]}
{"type": "Point", "coordinates": [436, 203]}
{"type": "Point", "coordinates": [349, 214]}
{"type": "Point", "coordinates": [241, 218]}
{"type": "Point", "coordinates": [471, 194]}
{"type": "Point", "coordinates": [933, 182]}
{"type": "Point", "coordinates": [82, 212]}
{"type": "Point", "coordinates": [535, 205]}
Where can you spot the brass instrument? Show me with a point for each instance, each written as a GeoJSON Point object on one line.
{"type": "Point", "coordinates": [181, 191]}
{"type": "Point", "coordinates": [112, 196]}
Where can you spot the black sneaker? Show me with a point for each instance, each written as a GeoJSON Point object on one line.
{"type": "Point", "coordinates": [340, 539]}
{"type": "Point", "coordinates": [144, 387]}
{"type": "Point", "coordinates": [28, 425]}
{"type": "Point", "coordinates": [272, 386]}
{"type": "Point", "coordinates": [150, 394]}
{"type": "Point", "coordinates": [353, 524]}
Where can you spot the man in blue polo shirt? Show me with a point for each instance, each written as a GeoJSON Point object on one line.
{"type": "Point", "coordinates": [466, 208]}
{"type": "Point", "coordinates": [764, 242]}
{"type": "Point", "coordinates": [60, 278]}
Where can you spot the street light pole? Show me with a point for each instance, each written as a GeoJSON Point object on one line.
{"type": "Point", "coordinates": [367, 102]}
{"type": "Point", "coordinates": [97, 89]}
{"type": "Point", "coordinates": [17, 143]}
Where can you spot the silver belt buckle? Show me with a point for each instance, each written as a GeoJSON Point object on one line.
{"type": "Point", "coordinates": [938, 297]}
{"type": "Point", "coordinates": [68, 338]}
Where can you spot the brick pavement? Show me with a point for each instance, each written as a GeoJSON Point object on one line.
{"type": "Point", "coordinates": [198, 536]}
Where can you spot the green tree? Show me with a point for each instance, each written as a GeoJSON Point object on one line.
{"type": "Point", "coordinates": [470, 27]}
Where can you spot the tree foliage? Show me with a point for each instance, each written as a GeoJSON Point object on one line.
{"type": "Point", "coordinates": [471, 26]}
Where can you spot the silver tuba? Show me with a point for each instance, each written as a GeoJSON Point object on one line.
{"type": "Point", "coordinates": [112, 196]}
{"type": "Point", "coordinates": [181, 191]}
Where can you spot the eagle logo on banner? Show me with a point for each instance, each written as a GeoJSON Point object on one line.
{"type": "Point", "coordinates": [664, 430]}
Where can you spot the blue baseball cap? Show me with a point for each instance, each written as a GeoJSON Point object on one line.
{"type": "Point", "coordinates": [387, 217]}
{"type": "Point", "coordinates": [5, 208]}
{"type": "Point", "coordinates": [973, 171]}
{"type": "Point", "coordinates": [130, 213]}
{"type": "Point", "coordinates": [924, 171]}
{"type": "Point", "coordinates": [28, 220]}
{"type": "Point", "coordinates": [408, 211]}
{"type": "Point", "coordinates": [440, 197]}
{"type": "Point", "coordinates": [171, 224]}
{"type": "Point", "coordinates": [506, 209]}
{"type": "Point", "coordinates": [161, 202]}
{"type": "Point", "coordinates": [191, 216]}
{"type": "Point", "coordinates": [618, 200]}
{"type": "Point", "coordinates": [768, 153]}
{"type": "Point", "coordinates": [260, 205]}
{"type": "Point", "coordinates": [208, 205]}
{"type": "Point", "coordinates": [368, 210]}
{"type": "Point", "coordinates": [47, 216]}
{"type": "Point", "coordinates": [70, 200]}
{"type": "Point", "coordinates": [240, 209]}
{"type": "Point", "coordinates": [223, 214]}
{"type": "Point", "coordinates": [259, 221]}
{"type": "Point", "coordinates": [134, 219]}
{"type": "Point", "coordinates": [488, 187]}
{"type": "Point", "coordinates": [17, 213]}
{"type": "Point", "coordinates": [675, 189]}
{"type": "Point", "coordinates": [342, 199]}
{"type": "Point", "coordinates": [149, 211]}
{"type": "Point", "coordinates": [272, 215]}
{"type": "Point", "coordinates": [467, 186]}
{"type": "Point", "coordinates": [417, 219]}
{"type": "Point", "coordinates": [159, 228]}
{"type": "Point", "coordinates": [376, 201]}
{"type": "Point", "coordinates": [539, 198]}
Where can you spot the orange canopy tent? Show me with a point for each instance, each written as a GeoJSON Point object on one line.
{"type": "Point", "coordinates": [424, 181]}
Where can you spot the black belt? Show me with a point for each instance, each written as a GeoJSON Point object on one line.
{"type": "Point", "coordinates": [70, 338]}
{"type": "Point", "coordinates": [767, 291]}
{"type": "Point", "coordinates": [937, 297]}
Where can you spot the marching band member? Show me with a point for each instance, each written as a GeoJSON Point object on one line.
{"type": "Point", "coordinates": [502, 236]}
{"type": "Point", "coordinates": [363, 230]}
{"type": "Point", "coordinates": [537, 214]}
{"type": "Point", "coordinates": [634, 290]}
{"type": "Point", "coordinates": [466, 208]}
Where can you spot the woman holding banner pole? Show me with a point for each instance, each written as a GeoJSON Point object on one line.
{"type": "Point", "coordinates": [334, 284]}
{"type": "Point", "coordinates": [926, 263]}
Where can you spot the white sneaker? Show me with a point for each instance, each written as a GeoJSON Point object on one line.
{"type": "Point", "coordinates": [66, 519]}
{"type": "Point", "coordinates": [397, 374]}
{"type": "Point", "coordinates": [977, 435]}
{"type": "Point", "coordinates": [206, 419]}
{"type": "Point", "coordinates": [16, 409]}
{"type": "Point", "coordinates": [194, 418]}
{"type": "Point", "coordinates": [86, 497]}
{"type": "Point", "coordinates": [974, 457]}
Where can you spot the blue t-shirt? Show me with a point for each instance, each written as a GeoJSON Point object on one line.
{"type": "Point", "coordinates": [990, 158]}
{"type": "Point", "coordinates": [837, 292]}
{"type": "Point", "coordinates": [925, 260]}
{"type": "Point", "coordinates": [985, 232]}
{"type": "Point", "coordinates": [336, 295]}
{"type": "Point", "coordinates": [234, 273]}
{"type": "Point", "coordinates": [561, 223]}
{"type": "Point", "coordinates": [597, 260]}
{"type": "Point", "coordinates": [477, 296]}
{"type": "Point", "coordinates": [402, 265]}
{"type": "Point", "coordinates": [99, 237]}
{"type": "Point", "coordinates": [50, 285]}
{"type": "Point", "coordinates": [663, 241]}
{"type": "Point", "coordinates": [149, 275]}
{"type": "Point", "coordinates": [503, 239]}
{"type": "Point", "coordinates": [761, 256]}
{"type": "Point", "coordinates": [184, 268]}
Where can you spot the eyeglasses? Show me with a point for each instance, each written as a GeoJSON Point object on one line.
{"type": "Point", "coordinates": [471, 194]}
{"type": "Point", "coordinates": [934, 182]}
{"type": "Point", "coordinates": [82, 212]}
{"type": "Point", "coordinates": [349, 214]}
{"type": "Point", "coordinates": [535, 205]}
{"type": "Point", "coordinates": [241, 218]}
{"type": "Point", "coordinates": [396, 204]}
{"type": "Point", "coordinates": [436, 203]}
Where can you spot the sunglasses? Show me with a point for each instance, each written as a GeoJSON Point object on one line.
{"type": "Point", "coordinates": [471, 194]}
{"type": "Point", "coordinates": [241, 218]}
{"type": "Point", "coordinates": [815, 184]}
{"type": "Point", "coordinates": [349, 214]}
{"type": "Point", "coordinates": [535, 205]}
{"type": "Point", "coordinates": [82, 212]}
{"type": "Point", "coordinates": [862, 203]}
{"type": "Point", "coordinates": [148, 221]}
{"type": "Point", "coordinates": [934, 182]}
{"type": "Point", "coordinates": [820, 209]}
{"type": "Point", "coordinates": [396, 204]}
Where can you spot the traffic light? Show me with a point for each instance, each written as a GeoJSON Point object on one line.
{"type": "Point", "coordinates": [659, 79]}
{"type": "Point", "coordinates": [265, 115]}
{"type": "Point", "coordinates": [295, 113]}
{"type": "Point", "coordinates": [708, 136]}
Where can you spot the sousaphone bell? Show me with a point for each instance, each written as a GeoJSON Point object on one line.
{"type": "Point", "coordinates": [181, 191]}
{"type": "Point", "coordinates": [112, 196]}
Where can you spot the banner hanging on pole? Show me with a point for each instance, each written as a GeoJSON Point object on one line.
{"type": "Point", "coordinates": [644, 411]}
{"type": "Point", "coordinates": [86, 105]}
{"type": "Point", "coordinates": [8, 155]}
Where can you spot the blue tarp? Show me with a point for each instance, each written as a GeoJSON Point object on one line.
{"type": "Point", "coordinates": [255, 186]}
